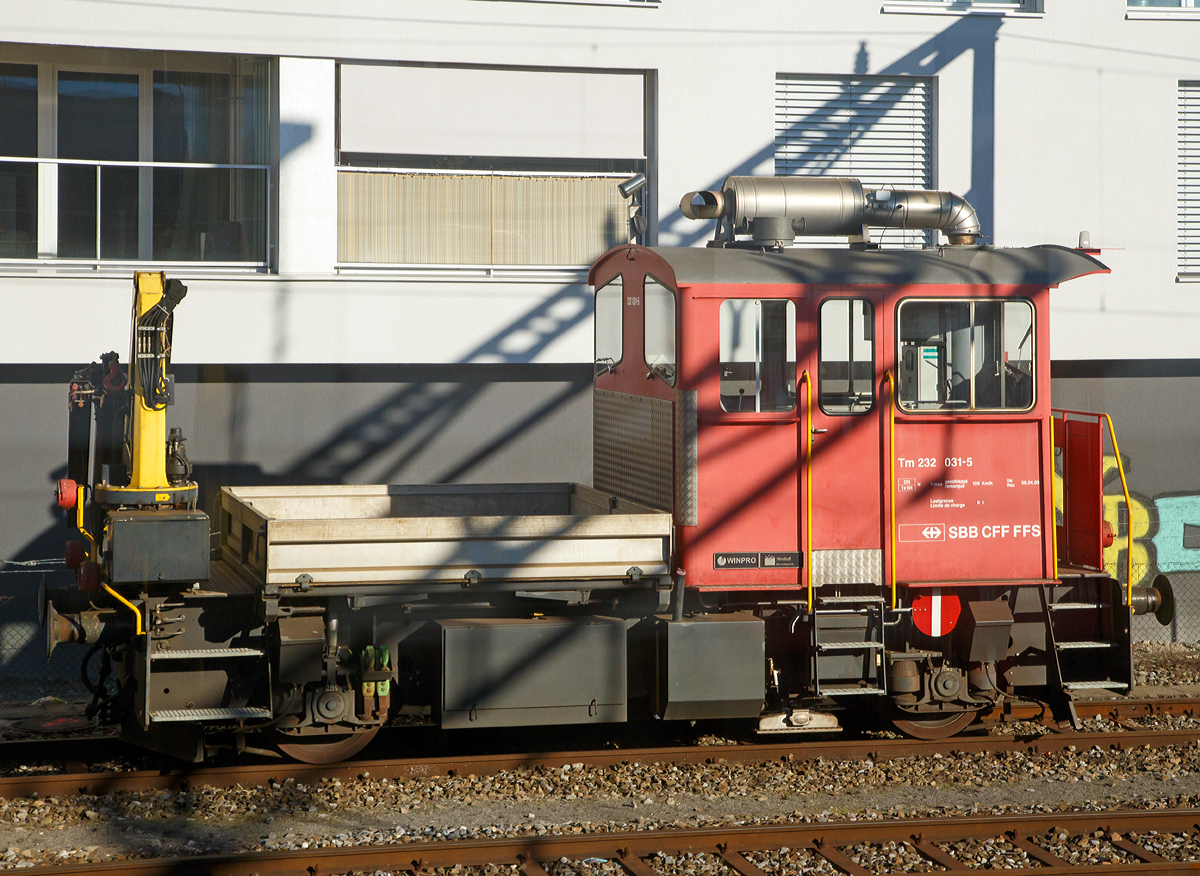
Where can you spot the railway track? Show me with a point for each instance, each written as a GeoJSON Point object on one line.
{"type": "Point", "coordinates": [78, 779]}
{"type": "Point", "coordinates": [1045, 841]}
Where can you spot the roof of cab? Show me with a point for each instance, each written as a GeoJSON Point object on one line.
{"type": "Point", "coordinates": [1045, 265]}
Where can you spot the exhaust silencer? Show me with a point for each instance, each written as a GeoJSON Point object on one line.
{"type": "Point", "coordinates": [764, 206]}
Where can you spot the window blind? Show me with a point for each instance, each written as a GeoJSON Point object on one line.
{"type": "Point", "coordinates": [1189, 178]}
{"type": "Point", "coordinates": [478, 219]}
{"type": "Point", "coordinates": [878, 129]}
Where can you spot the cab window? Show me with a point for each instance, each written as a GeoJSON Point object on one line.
{"type": "Point", "coordinates": [758, 354]}
{"type": "Point", "coordinates": [610, 304]}
{"type": "Point", "coordinates": [846, 365]}
{"type": "Point", "coordinates": [659, 312]}
{"type": "Point", "coordinates": [966, 355]}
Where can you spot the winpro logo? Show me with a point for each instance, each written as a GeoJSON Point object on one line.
{"type": "Point", "coordinates": [735, 561]}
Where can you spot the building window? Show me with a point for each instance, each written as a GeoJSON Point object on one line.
{"type": "Point", "coordinates": [18, 180]}
{"type": "Point", "coordinates": [966, 355]}
{"type": "Point", "coordinates": [758, 355]}
{"type": "Point", "coordinates": [1162, 9]}
{"type": "Point", "coordinates": [445, 166]}
{"type": "Point", "coordinates": [967, 7]}
{"type": "Point", "coordinates": [134, 164]}
{"type": "Point", "coordinates": [878, 129]}
{"type": "Point", "coordinates": [1189, 179]}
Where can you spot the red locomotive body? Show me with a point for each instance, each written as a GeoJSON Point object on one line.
{"type": "Point", "coordinates": [861, 441]}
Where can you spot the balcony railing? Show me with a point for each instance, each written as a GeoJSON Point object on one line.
{"type": "Point", "coordinates": [88, 213]}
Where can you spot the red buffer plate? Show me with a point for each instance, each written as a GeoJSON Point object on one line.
{"type": "Point", "coordinates": [935, 614]}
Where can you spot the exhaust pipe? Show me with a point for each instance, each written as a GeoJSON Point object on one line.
{"type": "Point", "coordinates": [774, 209]}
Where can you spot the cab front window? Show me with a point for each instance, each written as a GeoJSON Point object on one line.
{"type": "Point", "coordinates": [966, 355]}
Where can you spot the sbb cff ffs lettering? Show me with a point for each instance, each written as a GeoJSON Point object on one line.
{"type": "Point", "coordinates": [1015, 530]}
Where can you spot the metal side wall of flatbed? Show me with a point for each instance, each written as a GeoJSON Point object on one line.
{"type": "Point", "coordinates": [384, 534]}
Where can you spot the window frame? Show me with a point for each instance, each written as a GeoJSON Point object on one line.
{"type": "Point", "coordinates": [559, 168]}
{"type": "Point", "coordinates": [611, 364]}
{"type": "Point", "coordinates": [1187, 9]}
{"type": "Point", "coordinates": [759, 415]}
{"type": "Point", "coordinates": [50, 61]}
{"type": "Point", "coordinates": [971, 411]}
{"type": "Point", "coordinates": [874, 355]}
{"type": "Point", "coordinates": [1003, 8]}
{"type": "Point", "coordinates": [655, 369]}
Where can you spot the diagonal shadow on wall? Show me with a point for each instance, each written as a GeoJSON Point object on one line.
{"type": "Point", "coordinates": [972, 34]}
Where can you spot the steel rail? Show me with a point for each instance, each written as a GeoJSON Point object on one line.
{"type": "Point", "coordinates": [730, 845]}
{"type": "Point", "coordinates": [878, 750]}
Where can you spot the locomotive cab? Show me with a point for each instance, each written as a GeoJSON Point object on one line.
{"type": "Point", "coordinates": [857, 446]}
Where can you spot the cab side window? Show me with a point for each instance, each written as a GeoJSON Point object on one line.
{"type": "Point", "coordinates": [846, 364]}
{"type": "Point", "coordinates": [660, 330]}
{"type": "Point", "coordinates": [758, 354]}
{"type": "Point", "coordinates": [610, 303]}
{"type": "Point", "coordinates": [966, 355]}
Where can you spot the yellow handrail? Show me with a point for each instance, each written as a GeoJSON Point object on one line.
{"type": "Point", "coordinates": [137, 615]}
{"type": "Point", "coordinates": [807, 482]}
{"type": "Point", "coordinates": [94, 556]}
{"type": "Point", "coordinates": [1112, 433]}
{"type": "Point", "coordinates": [1053, 506]}
{"type": "Point", "coordinates": [891, 473]}
{"type": "Point", "coordinates": [93, 553]}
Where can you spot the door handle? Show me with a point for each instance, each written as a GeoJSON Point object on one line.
{"type": "Point", "coordinates": [819, 431]}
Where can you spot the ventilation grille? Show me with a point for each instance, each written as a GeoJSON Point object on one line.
{"type": "Point", "coordinates": [631, 448]}
{"type": "Point", "coordinates": [878, 129]}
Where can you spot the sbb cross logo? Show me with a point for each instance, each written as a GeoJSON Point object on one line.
{"type": "Point", "coordinates": [922, 532]}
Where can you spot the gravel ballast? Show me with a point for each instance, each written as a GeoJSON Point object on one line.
{"type": "Point", "coordinates": [574, 799]}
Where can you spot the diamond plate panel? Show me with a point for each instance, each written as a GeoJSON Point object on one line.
{"type": "Point", "coordinates": [631, 448]}
{"type": "Point", "coordinates": [864, 566]}
{"type": "Point", "coordinates": [687, 494]}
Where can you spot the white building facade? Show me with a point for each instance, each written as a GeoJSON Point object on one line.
{"type": "Point", "coordinates": [384, 211]}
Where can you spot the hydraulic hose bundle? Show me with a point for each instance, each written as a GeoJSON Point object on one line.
{"type": "Point", "coordinates": [153, 346]}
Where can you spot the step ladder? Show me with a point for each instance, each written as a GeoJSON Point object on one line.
{"type": "Point", "coordinates": [204, 684]}
{"type": "Point", "coordinates": [1087, 638]}
{"type": "Point", "coordinates": [847, 656]}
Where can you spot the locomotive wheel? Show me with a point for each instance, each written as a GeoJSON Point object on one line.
{"type": "Point", "coordinates": [940, 727]}
{"type": "Point", "coordinates": [326, 750]}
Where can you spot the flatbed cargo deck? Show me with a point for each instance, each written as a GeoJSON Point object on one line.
{"type": "Point", "coordinates": [339, 536]}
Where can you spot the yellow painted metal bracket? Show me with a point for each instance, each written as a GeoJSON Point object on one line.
{"type": "Point", "coordinates": [93, 552]}
{"type": "Point", "coordinates": [137, 615]}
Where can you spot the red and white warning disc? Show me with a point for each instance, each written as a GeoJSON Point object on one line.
{"type": "Point", "coordinates": [935, 614]}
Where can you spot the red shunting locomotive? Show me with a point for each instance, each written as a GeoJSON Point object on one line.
{"type": "Point", "coordinates": [823, 480]}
